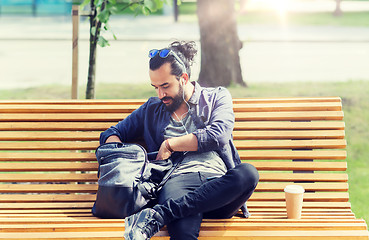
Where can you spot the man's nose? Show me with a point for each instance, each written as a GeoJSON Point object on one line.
{"type": "Point", "coordinates": [161, 93]}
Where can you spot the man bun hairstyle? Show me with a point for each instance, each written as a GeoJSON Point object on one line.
{"type": "Point", "coordinates": [185, 51]}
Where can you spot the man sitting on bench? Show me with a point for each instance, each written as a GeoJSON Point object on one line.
{"type": "Point", "coordinates": [211, 181]}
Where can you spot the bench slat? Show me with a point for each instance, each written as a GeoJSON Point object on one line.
{"type": "Point", "coordinates": [238, 135]}
{"type": "Point", "coordinates": [306, 211]}
{"type": "Point", "coordinates": [290, 134]}
{"type": "Point", "coordinates": [47, 156]}
{"type": "Point", "coordinates": [288, 99]}
{"type": "Point", "coordinates": [90, 156]}
{"type": "Point", "coordinates": [49, 177]}
{"type": "Point", "coordinates": [65, 117]}
{"type": "Point", "coordinates": [317, 196]}
{"type": "Point", "coordinates": [236, 219]}
{"type": "Point", "coordinates": [257, 196]}
{"type": "Point", "coordinates": [289, 116]}
{"type": "Point", "coordinates": [284, 125]}
{"type": "Point", "coordinates": [250, 226]}
{"type": "Point", "coordinates": [268, 215]}
{"type": "Point", "coordinates": [257, 235]}
{"type": "Point", "coordinates": [83, 166]}
{"type": "Point", "coordinates": [241, 145]}
{"type": "Point", "coordinates": [238, 107]}
{"type": "Point", "coordinates": [51, 213]}
{"type": "Point", "coordinates": [240, 116]}
{"type": "Point", "coordinates": [48, 188]}
{"type": "Point", "coordinates": [300, 166]}
{"type": "Point", "coordinates": [141, 101]}
{"type": "Point", "coordinates": [97, 101]}
{"type": "Point", "coordinates": [91, 177]}
{"type": "Point", "coordinates": [92, 188]}
{"type": "Point", "coordinates": [60, 212]}
{"type": "Point", "coordinates": [49, 136]}
{"type": "Point", "coordinates": [23, 206]}
{"type": "Point", "coordinates": [55, 109]}
{"type": "Point", "coordinates": [312, 177]}
{"type": "Point", "coordinates": [285, 154]}
{"type": "Point", "coordinates": [231, 225]}
{"type": "Point", "coordinates": [101, 126]}
{"type": "Point", "coordinates": [272, 107]}
{"type": "Point", "coordinates": [64, 145]}
{"type": "Point", "coordinates": [282, 204]}
{"type": "Point", "coordinates": [55, 126]}
{"type": "Point", "coordinates": [288, 144]}
{"type": "Point", "coordinates": [256, 214]}
{"type": "Point", "coordinates": [253, 204]}
{"type": "Point", "coordinates": [324, 186]}
{"type": "Point", "coordinates": [44, 167]}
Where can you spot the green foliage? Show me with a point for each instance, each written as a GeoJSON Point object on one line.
{"type": "Point", "coordinates": [105, 8]}
{"type": "Point", "coordinates": [103, 42]}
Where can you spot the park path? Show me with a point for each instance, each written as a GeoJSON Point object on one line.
{"type": "Point", "coordinates": [37, 51]}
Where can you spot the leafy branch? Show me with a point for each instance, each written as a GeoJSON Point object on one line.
{"type": "Point", "coordinates": [103, 9]}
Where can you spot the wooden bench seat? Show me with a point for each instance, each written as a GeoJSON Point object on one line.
{"type": "Point", "coordinates": [48, 170]}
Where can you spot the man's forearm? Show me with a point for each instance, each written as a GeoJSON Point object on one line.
{"type": "Point", "coordinates": [183, 143]}
{"type": "Point", "coordinates": [177, 144]}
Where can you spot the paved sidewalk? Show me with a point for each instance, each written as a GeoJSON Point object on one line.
{"type": "Point", "coordinates": [37, 51]}
{"type": "Point", "coordinates": [162, 28]}
{"type": "Point", "coordinates": [306, 5]}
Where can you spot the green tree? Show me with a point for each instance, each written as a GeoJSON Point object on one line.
{"type": "Point", "coordinates": [101, 10]}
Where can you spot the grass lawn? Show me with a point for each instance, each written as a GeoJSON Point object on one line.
{"type": "Point", "coordinates": [311, 19]}
{"type": "Point", "coordinates": [355, 105]}
{"type": "Point", "coordinates": [187, 12]}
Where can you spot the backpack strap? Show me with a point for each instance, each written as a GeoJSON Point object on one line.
{"type": "Point", "coordinates": [171, 170]}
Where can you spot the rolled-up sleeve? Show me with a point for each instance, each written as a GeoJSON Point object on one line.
{"type": "Point", "coordinates": [129, 128]}
{"type": "Point", "coordinates": [109, 132]}
{"type": "Point", "coordinates": [219, 127]}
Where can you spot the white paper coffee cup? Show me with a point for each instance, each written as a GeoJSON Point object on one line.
{"type": "Point", "coordinates": [294, 198]}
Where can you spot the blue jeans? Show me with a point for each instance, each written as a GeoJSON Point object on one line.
{"type": "Point", "coordinates": [186, 199]}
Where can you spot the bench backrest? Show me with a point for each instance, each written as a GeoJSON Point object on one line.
{"type": "Point", "coordinates": [47, 149]}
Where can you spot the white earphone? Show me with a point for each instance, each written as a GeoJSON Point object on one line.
{"type": "Point", "coordinates": [183, 96]}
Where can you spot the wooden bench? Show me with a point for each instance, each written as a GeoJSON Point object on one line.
{"type": "Point", "coordinates": [48, 169]}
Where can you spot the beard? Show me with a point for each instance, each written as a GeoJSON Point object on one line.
{"type": "Point", "coordinates": [177, 100]}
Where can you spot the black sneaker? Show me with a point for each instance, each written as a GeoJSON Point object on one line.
{"type": "Point", "coordinates": [142, 225]}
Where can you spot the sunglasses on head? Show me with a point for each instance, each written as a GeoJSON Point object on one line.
{"type": "Point", "coordinates": [164, 53]}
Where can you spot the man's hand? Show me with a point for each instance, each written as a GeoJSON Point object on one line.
{"type": "Point", "coordinates": [177, 144]}
{"type": "Point", "coordinates": [164, 152]}
{"type": "Point", "coordinates": [113, 138]}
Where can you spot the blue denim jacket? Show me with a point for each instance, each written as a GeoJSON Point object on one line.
{"type": "Point", "coordinates": [211, 110]}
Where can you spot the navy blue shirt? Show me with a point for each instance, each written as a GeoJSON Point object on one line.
{"type": "Point", "coordinates": [211, 110]}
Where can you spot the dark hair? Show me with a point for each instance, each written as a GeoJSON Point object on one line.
{"type": "Point", "coordinates": [186, 51]}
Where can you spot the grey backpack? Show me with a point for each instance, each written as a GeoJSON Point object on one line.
{"type": "Point", "coordinates": [128, 180]}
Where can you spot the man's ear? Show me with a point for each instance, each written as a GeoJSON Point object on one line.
{"type": "Point", "coordinates": [185, 78]}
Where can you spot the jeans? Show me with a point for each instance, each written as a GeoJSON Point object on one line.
{"type": "Point", "coordinates": [186, 199]}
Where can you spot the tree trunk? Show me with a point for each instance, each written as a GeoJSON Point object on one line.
{"type": "Point", "coordinates": [90, 88]}
{"type": "Point", "coordinates": [220, 44]}
{"type": "Point", "coordinates": [338, 12]}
